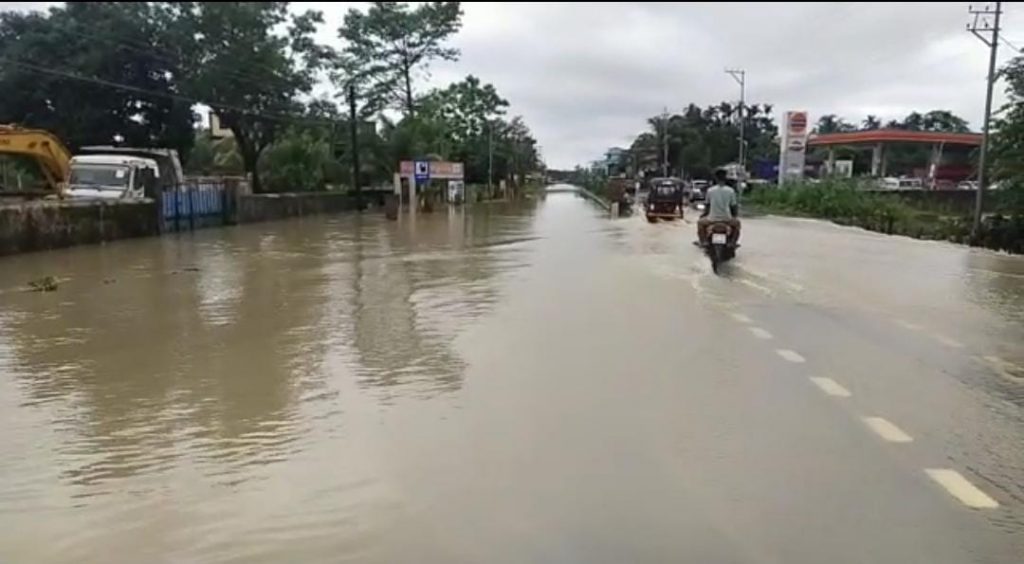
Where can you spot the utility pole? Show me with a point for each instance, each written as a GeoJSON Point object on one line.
{"type": "Point", "coordinates": [740, 76]}
{"type": "Point", "coordinates": [988, 33]}
{"type": "Point", "coordinates": [664, 142]}
{"type": "Point", "coordinates": [490, 158]}
{"type": "Point", "coordinates": [354, 142]}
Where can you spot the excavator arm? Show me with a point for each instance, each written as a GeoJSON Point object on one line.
{"type": "Point", "coordinates": [44, 148]}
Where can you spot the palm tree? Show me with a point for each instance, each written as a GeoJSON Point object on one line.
{"type": "Point", "coordinates": [871, 122]}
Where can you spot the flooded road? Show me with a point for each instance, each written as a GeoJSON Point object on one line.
{"type": "Point", "coordinates": [508, 384]}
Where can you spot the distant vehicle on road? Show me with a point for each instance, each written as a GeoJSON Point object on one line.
{"type": "Point", "coordinates": [665, 200]}
{"type": "Point", "coordinates": [698, 188]}
{"type": "Point", "coordinates": [902, 183]}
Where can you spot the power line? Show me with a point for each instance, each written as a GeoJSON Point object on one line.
{"type": "Point", "coordinates": [1009, 44]}
{"type": "Point", "coordinates": [171, 58]}
{"type": "Point", "coordinates": [126, 87]}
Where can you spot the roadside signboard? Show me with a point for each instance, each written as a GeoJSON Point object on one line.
{"type": "Point", "coordinates": [437, 170]}
{"type": "Point", "coordinates": [793, 148]}
{"type": "Point", "coordinates": [421, 171]}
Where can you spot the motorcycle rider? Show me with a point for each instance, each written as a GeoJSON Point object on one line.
{"type": "Point", "coordinates": [721, 206]}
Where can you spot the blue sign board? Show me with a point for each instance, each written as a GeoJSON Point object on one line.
{"type": "Point", "coordinates": [421, 171]}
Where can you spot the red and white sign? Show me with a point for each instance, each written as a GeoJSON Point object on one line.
{"type": "Point", "coordinates": [797, 124]}
{"type": "Point", "coordinates": [443, 170]}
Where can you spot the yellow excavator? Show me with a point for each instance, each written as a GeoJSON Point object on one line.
{"type": "Point", "coordinates": [46, 150]}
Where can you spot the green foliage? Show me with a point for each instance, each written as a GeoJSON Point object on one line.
{"type": "Point", "coordinates": [390, 42]}
{"type": "Point", "coordinates": [300, 161]}
{"type": "Point", "coordinates": [467, 108]}
{"type": "Point", "coordinates": [845, 202]}
{"type": "Point", "coordinates": [464, 122]}
{"type": "Point", "coordinates": [130, 73]}
{"type": "Point", "coordinates": [1007, 144]}
{"type": "Point", "coordinates": [701, 139]}
{"type": "Point", "coordinates": [216, 41]}
{"type": "Point", "coordinates": [211, 157]}
{"type": "Point", "coordinates": [841, 200]}
{"type": "Point", "coordinates": [831, 123]}
{"type": "Point", "coordinates": [119, 42]}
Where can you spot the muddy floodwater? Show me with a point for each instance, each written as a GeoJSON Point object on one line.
{"type": "Point", "coordinates": [511, 383]}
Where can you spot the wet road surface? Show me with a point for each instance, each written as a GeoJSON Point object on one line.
{"type": "Point", "coordinates": [513, 384]}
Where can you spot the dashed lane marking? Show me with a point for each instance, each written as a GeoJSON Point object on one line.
{"type": "Point", "coordinates": [760, 333]}
{"type": "Point", "coordinates": [960, 488]}
{"type": "Point", "coordinates": [887, 430]}
{"type": "Point", "coordinates": [742, 318]}
{"type": "Point", "coordinates": [791, 356]}
{"type": "Point", "coordinates": [831, 387]}
{"type": "Point", "coordinates": [909, 325]}
{"type": "Point", "coordinates": [949, 342]}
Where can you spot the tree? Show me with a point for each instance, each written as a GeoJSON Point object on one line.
{"type": "Point", "coordinates": [1007, 143]}
{"type": "Point", "coordinates": [233, 57]}
{"type": "Point", "coordinates": [831, 123]}
{"type": "Point", "coordinates": [93, 73]}
{"type": "Point", "coordinates": [944, 121]}
{"type": "Point", "coordinates": [391, 42]}
{"type": "Point", "coordinates": [299, 161]}
{"type": "Point", "coordinates": [467, 107]}
{"type": "Point", "coordinates": [871, 122]}
{"type": "Point", "coordinates": [210, 156]}
{"type": "Point", "coordinates": [701, 139]}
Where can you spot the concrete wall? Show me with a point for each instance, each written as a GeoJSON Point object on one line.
{"type": "Point", "coordinates": [36, 226]}
{"type": "Point", "coordinates": [268, 207]}
{"type": "Point", "coordinates": [42, 225]}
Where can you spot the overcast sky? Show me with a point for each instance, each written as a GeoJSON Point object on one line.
{"type": "Point", "coordinates": [586, 76]}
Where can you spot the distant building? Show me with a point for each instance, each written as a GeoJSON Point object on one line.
{"type": "Point", "coordinates": [616, 161]}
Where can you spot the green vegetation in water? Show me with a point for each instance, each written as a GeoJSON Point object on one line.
{"type": "Point", "coordinates": [846, 203]}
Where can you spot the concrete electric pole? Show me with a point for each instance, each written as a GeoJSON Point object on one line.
{"type": "Point", "coordinates": [353, 129]}
{"type": "Point", "coordinates": [988, 32]}
{"type": "Point", "coordinates": [664, 142]}
{"type": "Point", "coordinates": [740, 76]}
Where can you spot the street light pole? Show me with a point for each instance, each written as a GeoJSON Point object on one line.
{"type": "Point", "coordinates": [979, 25]}
{"type": "Point", "coordinates": [740, 76]}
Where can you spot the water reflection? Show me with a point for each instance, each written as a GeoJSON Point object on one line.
{"type": "Point", "coordinates": [216, 349]}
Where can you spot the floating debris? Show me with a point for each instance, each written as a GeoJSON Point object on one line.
{"type": "Point", "coordinates": [44, 284]}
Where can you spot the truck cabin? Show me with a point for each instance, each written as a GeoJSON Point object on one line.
{"type": "Point", "coordinates": [112, 177]}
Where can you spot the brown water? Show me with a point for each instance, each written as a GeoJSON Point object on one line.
{"type": "Point", "coordinates": [438, 389]}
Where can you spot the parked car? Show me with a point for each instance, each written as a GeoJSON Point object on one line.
{"type": "Point", "coordinates": [902, 183]}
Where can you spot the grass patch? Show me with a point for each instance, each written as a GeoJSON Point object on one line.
{"type": "Point", "coordinates": [846, 203]}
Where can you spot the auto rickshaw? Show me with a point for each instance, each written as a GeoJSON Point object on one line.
{"type": "Point", "coordinates": [665, 199]}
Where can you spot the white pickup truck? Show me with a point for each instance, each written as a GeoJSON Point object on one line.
{"type": "Point", "coordinates": [122, 173]}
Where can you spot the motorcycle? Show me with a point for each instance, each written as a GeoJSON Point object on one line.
{"type": "Point", "coordinates": [719, 248]}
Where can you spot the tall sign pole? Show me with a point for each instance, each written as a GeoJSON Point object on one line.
{"type": "Point", "coordinates": [988, 32]}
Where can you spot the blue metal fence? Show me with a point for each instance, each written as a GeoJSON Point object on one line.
{"type": "Point", "coordinates": [197, 201]}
